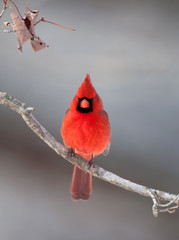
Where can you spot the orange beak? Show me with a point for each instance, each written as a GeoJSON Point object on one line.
{"type": "Point", "coordinates": [84, 104]}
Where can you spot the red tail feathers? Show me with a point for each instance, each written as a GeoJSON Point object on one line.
{"type": "Point", "coordinates": [81, 185]}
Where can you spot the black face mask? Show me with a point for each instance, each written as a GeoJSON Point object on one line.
{"type": "Point", "coordinates": [85, 110]}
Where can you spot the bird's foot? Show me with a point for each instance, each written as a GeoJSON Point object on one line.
{"type": "Point", "coordinates": [91, 164]}
{"type": "Point", "coordinates": [71, 152]}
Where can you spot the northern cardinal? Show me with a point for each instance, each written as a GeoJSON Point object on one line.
{"type": "Point", "coordinates": [85, 129]}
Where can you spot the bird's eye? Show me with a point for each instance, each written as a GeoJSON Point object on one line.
{"type": "Point", "coordinates": [90, 100]}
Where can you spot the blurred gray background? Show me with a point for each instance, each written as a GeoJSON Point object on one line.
{"type": "Point", "coordinates": [130, 49]}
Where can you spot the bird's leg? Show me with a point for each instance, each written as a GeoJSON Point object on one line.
{"type": "Point", "coordinates": [70, 152]}
{"type": "Point", "coordinates": [91, 164]}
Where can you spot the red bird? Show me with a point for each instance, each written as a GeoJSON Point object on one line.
{"type": "Point", "coordinates": [85, 129]}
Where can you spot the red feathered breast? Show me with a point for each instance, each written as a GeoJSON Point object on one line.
{"type": "Point", "coordinates": [86, 133]}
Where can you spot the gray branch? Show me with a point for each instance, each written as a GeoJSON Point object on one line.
{"type": "Point", "coordinates": [162, 201]}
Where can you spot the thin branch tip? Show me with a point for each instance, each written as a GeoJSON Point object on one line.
{"type": "Point", "coordinates": [158, 207]}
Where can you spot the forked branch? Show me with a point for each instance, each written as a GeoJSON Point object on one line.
{"type": "Point", "coordinates": [162, 201]}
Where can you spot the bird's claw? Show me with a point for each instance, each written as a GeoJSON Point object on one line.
{"type": "Point", "coordinates": [71, 152]}
{"type": "Point", "coordinates": [91, 164]}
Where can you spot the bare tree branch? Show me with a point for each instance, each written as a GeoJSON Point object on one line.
{"type": "Point", "coordinates": [170, 201]}
{"type": "Point", "coordinates": [3, 9]}
{"type": "Point", "coordinates": [2, 12]}
{"type": "Point", "coordinates": [6, 23]}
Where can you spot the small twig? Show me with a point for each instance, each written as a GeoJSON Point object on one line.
{"type": "Point", "coordinates": [3, 9]}
{"type": "Point", "coordinates": [16, 8]}
{"type": "Point", "coordinates": [8, 31]}
{"type": "Point", "coordinates": [12, 7]}
{"type": "Point", "coordinates": [156, 195]}
{"type": "Point", "coordinates": [2, 13]}
{"type": "Point", "coordinates": [42, 19]}
{"type": "Point", "coordinates": [5, 1]}
{"type": "Point", "coordinates": [170, 203]}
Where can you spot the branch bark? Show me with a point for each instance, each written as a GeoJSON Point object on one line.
{"type": "Point", "coordinates": [171, 201]}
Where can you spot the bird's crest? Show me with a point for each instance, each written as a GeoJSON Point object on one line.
{"type": "Point", "coordinates": [86, 89]}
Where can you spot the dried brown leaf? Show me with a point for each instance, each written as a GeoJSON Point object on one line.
{"type": "Point", "coordinates": [37, 44]}
{"type": "Point", "coordinates": [25, 30]}
{"type": "Point", "coordinates": [30, 19]}
{"type": "Point", "coordinates": [22, 33]}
